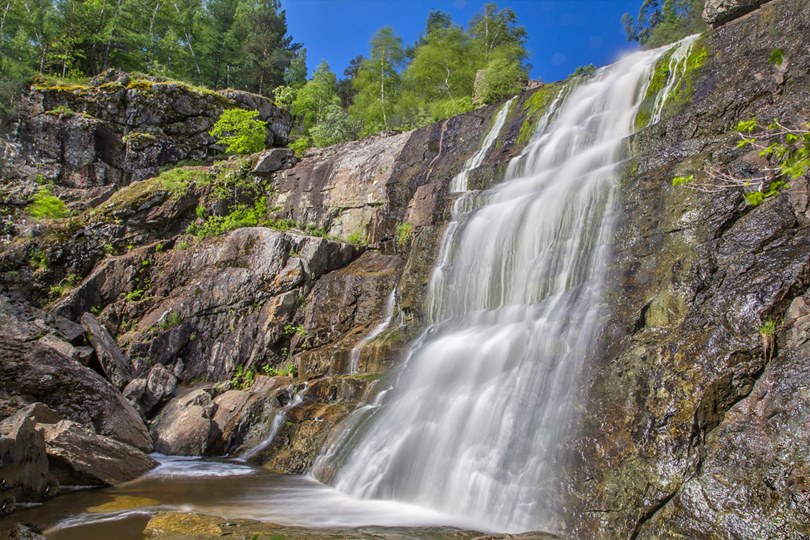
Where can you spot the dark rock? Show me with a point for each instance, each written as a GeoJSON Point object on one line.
{"type": "Point", "coordinates": [24, 472]}
{"type": "Point", "coordinates": [273, 160]}
{"type": "Point", "coordinates": [31, 372]}
{"type": "Point", "coordinates": [182, 428]}
{"type": "Point", "coordinates": [115, 365]}
{"type": "Point", "coordinates": [25, 531]}
{"type": "Point", "coordinates": [78, 456]}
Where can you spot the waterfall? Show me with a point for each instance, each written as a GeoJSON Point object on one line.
{"type": "Point", "coordinates": [354, 355]}
{"type": "Point", "coordinates": [476, 422]}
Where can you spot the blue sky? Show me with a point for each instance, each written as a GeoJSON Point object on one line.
{"type": "Point", "coordinates": [563, 34]}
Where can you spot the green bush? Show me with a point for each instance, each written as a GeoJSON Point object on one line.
{"type": "Point", "coordinates": [46, 205]}
{"type": "Point", "coordinates": [357, 238]}
{"type": "Point", "coordinates": [240, 131]}
{"type": "Point", "coordinates": [403, 233]}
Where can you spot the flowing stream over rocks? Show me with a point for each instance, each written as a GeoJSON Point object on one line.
{"type": "Point", "coordinates": [475, 425]}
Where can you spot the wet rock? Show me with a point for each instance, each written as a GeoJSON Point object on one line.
{"type": "Point", "coordinates": [717, 12]}
{"type": "Point", "coordinates": [25, 531]}
{"type": "Point", "coordinates": [77, 456]}
{"type": "Point", "coordinates": [182, 428]}
{"type": "Point", "coordinates": [31, 372]}
{"type": "Point", "coordinates": [113, 362]}
{"type": "Point", "coordinates": [273, 160]}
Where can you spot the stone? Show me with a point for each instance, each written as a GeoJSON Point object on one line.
{"type": "Point", "coordinates": [24, 473]}
{"type": "Point", "coordinates": [77, 456]}
{"type": "Point", "coordinates": [182, 428]}
{"type": "Point", "coordinates": [25, 531]}
{"type": "Point", "coordinates": [31, 372]}
{"type": "Point", "coordinates": [273, 160]}
{"type": "Point", "coordinates": [717, 12]}
{"type": "Point", "coordinates": [115, 365]}
{"type": "Point", "coordinates": [146, 394]}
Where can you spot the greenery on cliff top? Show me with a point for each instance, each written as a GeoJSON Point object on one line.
{"type": "Point", "coordinates": [660, 22]}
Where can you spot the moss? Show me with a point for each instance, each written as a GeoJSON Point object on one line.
{"type": "Point", "coordinates": [141, 137]}
{"type": "Point", "coordinates": [534, 108]}
{"type": "Point", "coordinates": [141, 85]}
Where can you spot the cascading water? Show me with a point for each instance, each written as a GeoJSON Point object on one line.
{"type": "Point", "coordinates": [476, 422]}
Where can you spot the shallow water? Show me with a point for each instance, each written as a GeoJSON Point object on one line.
{"type": "Point", "coordinates": [229, 489]}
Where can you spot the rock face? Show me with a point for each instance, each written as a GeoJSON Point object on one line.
{"type": "Point", "coordinates": [78, 456]}
{"type": "Point", "coordinates": [690, 428]}
{"type": "Point", "coordinates": [183, 427]}
{"type": "Point", "coordinates": [717, 12]}
{"type": "Point", "coordinates": [119, 129]}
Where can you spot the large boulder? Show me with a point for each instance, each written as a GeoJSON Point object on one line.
{"type": "Point", "coordinates": [147, 393]}
{"type": "Point", "coordinates": [32, 372]}
{"type": "Point", "coordinates": [78, 456]}
{"type": "Point", "coordinates": [183, 426]}
{"type": "Point", "coordinates": [717, 12]}
{"type": "Point", "coordinates": [112, 360]}
{"type": "Point", "coordinates": [24, 472]}
{"type": "Point", "coordinates": [272, 160]}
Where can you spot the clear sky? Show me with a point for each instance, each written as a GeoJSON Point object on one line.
{"type": "Point", "coordinates": [563, 34]}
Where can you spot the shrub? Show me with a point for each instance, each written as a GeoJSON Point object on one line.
{"type": "Point", "coordinates": [240, 131]}
{"type": "Point", "coordinates": [47, 206]}
{"type": "Point", "coordinates": [170, 320]}
{"type": "Point", "coordinates": [64, 286]}
{"type": "Point", "coordinates": [357, 238]}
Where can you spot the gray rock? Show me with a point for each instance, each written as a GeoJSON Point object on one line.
{"type": "Point", "coordinates": [183, 426]}
{"type": "Point", "coordinates": [31, 372]}
{"type": "Point", "coordinates": [273, 160]}
{"type": "Point", "coordinates": [80, 457]}
{"type": "Point", "coordinates": [25, 531]}
{"type": "Point", "coordinates": [717, 12]}
{"type": "Point", "coordinates": [112, 360]}
{"type": "Point", "coordinates": [146, 394]}
{"type": "Point", "coordinates": [22, 453]}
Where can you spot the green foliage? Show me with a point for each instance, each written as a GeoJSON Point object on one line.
{"type": "Point", "coordinates": [62, 111]}
{"type": "Point", "coordinates": [47, 206]}
{"type": "Point", "coordinates": [584, 71]}
{"type": "Point", "coordinates": [403, 233]}
{"type": "Point", "coordinates": [777, 57]}
{"type": "Point", "coordinates": [288, 370]}
{"type": "Point", "coordinates": [787, 149]}
{"type": "Point", "coordinates": [178, 181]}
{"type": "Point", "coordinates": [136, 295]}
{"type": "Point", "coordinates": [681, 180]}
{"type": "Point", "coordinates": [378, 83]}
{"type": "Point", "coordinates": [291, 329]}
{"type": "Point", "coordinates": [64, 286]}
{"type": "Point", "coordinates": [243, 378]}
{"type": "Point", "coordinates": [182, 245]}
{"type": "Point", "coordinates": [300, 145]}
{"type": "Point", "coordinates": [38, 260]}
{"type": "Point", "coordinates": [502, 77]}
{"type": "Point", "coordinates": [240, 131]}
{"type": "Point", "coordinates": [170, 320]}
{"type": "Point", "coordinates": [661, 22]}
{"type": "Point", "coordinates": [357, 238]}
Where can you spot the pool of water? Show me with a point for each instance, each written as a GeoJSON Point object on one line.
{"type": "Point", "coordinates": [229, 489]}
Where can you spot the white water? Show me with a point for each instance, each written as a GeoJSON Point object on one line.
{"type": "Point", "coordinates": [475, 425]}
{"type": "Point", "coordinates": [460, 181]}
{"type": "Point", "coordinates": [677, 69]}
{"type": "Point", "coordinates": [354, 356]}
{"type": "Point", "coordinates": [278, 419]}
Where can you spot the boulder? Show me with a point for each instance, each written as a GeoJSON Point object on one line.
{"type": "Point", "coordinates": [717, 12]}
{"type": "Point", "coordinates": [147, 393]}
{"type": "Point", "coordinates": [112, 360]}
{"type": "Point", "coordinates": [183, 426]}
{"type": "Point", "coordinates": [31, 372]}
{"type": "Point", "coordinates": [78, 456]}
{"type": "Point", "coordinates": [24, 472]}
{"type": "Point", "coordinates": [25, 531]}
{"type": "Point", "coordinates": [273, 160]}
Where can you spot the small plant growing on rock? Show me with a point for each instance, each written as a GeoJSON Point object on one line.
{"type": "Point", "coordinates": [787, 148]}
{"type": "Point", "coordinates": [768, 333]}
{"type": "Point", "coordinates": [240, 131]}
{"type": "Point", "coordinates": [64, 286]}
{"type": "Point", "coordinates": [243, 378]}
{"type": "Point", "coordinates": [294, 329]}
{"type": "Point", "coordinates": [46, 205]}
{"type": "Point", "coordinates": [357, 238]}
{"type": "Point", "coordinates": [170, 320]}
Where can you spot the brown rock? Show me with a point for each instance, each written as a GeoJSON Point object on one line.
{"type": "Point", "coordinates": [22, 449]}
{"type": "Point", "coordinates": [80, 457]}
{"type": "Point", "coordinates": [183, 426]}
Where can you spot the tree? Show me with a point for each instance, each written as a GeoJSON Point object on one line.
{"type": "Point", "coordinates": [240, 131]}
{"type": "Point", "coordinates": [664, 21]}
{"type": "Point", "coordinates": [378, 82]}
{"type": "Point", "coordinates": [497, 34]}
{"type": "Point", "coordinates": [442, 67]}
{"type": "Point", "coordinates": [313, 100]}
{"type": "Point", "coordinates": [346, 85]}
